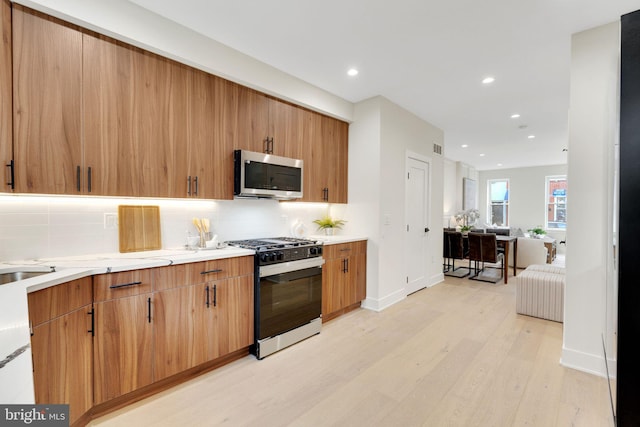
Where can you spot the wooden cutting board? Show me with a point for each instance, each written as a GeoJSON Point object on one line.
{"type": "Point", "coordinates": [139, 228]}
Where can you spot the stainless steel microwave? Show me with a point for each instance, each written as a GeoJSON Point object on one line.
{"type": "Point", "coordinates": [266, 176]}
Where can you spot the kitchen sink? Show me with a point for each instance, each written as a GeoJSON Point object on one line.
{"type": "Point", "coordinates": [19, 275]}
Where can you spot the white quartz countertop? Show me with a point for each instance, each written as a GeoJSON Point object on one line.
{"type": "Point", "coordinates": [335, 240]}
{"type": "Point", "coordinates": [74, 267]}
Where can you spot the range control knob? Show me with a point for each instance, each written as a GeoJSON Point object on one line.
{"type": "Point", "coordinates": [313, 250]}
{"type": "Point", "coordinates": [272, 256]}
{"type": "Point", "coordinates": [280, 255]}
{"type": "Point", "coordinates": [263, 257]}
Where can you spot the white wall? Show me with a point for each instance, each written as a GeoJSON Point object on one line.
{"type": "Point", "coordinates": [379, 139]}
{"type": "Point", "coordinates": [593, 124]}
{"type": "Point", "coordinates": [527, 196]}
{"type": "Point", "coordinates": [33, 227]}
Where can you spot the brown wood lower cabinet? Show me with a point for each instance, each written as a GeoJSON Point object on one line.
{"type": "Point", "coordinates": [122, 346]}
{"type": "Point", "coordinates": [61, 344]}
{"type": "Point", "coordinates": [197, 323]}
{"type": "Point", "coordinates": [344, 282]}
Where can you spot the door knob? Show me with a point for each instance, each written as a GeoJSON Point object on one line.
{"type": "Point", "coordinates": [426, 229]}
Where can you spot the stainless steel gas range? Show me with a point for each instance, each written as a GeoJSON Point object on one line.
{"type": "Point", "coordinates": [288, 291]}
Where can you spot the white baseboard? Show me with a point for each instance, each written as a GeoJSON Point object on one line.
{"type": "Point", "coordinates": [585, 362]}
{"type": "Point", "coordinates": [384, 302]}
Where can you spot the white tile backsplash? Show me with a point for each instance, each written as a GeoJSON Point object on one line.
{"type": "Point", "coordinates": [40, 227]}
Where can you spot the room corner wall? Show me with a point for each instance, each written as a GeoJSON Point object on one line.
{"type": "Point", "coordinates": [593, 123]}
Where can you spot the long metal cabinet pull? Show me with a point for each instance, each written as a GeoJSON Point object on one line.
{"type": "Point", "coordinates": [125, 285]}
{"type": "Point", "coordinates": [195, 193]}
{"type": "Point", "coordinates": [189, 185]}
{"type": "Point", "coordinates": [78, 177]}
{"type": "Point", "coordinates": [149, 309]}
{"type": "Point", "coordinates": [89, 179]}
{"type": "Point", "coordinates": [207, 296]}
{"type": "Point", "coordinates": [217, 270]}
{"type": "Point", "coordinates": [93, 322]}
{"type": "Point", "coordinates": [215, 295]}
{"type": "Point", "coordinates": [12, 174]}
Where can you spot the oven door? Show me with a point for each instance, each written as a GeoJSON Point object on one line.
{"type": "Point", "coordinates": [288, 298]}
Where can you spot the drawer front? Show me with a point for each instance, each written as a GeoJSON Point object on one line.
{"type": "Point", "coordinates": [344, 250]}
{"type": "Point", "coordinates": [123, 284]}
{"type": "Point", "coordinates": [49, 303]}
{"type": "Point", "coordinates": [175, 276]}
{"type": "Point", "coordinates": [218, 269]}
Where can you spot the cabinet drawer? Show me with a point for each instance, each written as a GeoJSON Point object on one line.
{"type": "Point", "coordinates": [49, 303]}
{"type": "Point", "coordinates": [344, 249]}
{"type": "Point", "coordinates": [220, 269]}
{"type": "Point", "coordinates": [175, 276]}
{"type": "Point", "coordinates": [122, 284]}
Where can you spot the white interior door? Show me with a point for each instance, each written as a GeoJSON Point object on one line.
{"type": "Point", "coordinates": [417, 208]}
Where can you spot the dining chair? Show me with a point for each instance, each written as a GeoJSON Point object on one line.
{"type": "Point", "coordinates": [483, 248]}
{"type": "Point", "coordinates": [453, 250]}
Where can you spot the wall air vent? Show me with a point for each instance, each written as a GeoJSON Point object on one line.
{"type": "Point", "coordinates": [437, 148]}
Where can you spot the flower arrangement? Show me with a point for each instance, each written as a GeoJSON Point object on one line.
{"type": "Point", "coordinates": [467, 219]}
{"type": "Point", "coordinates": [537, 231]}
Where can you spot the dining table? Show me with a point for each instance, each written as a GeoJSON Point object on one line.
{"type": "Point", "coordinates": [505, 242]}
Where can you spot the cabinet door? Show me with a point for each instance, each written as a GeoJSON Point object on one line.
{"type": "Point", "coordinates": [333, 278]}
{"type": "Point", "coordinates": [355, 280]}
{"type": "Point", "coordinates": [329, 164]}
{"type": "Point", "coordinates": [135, 120]}
{"type": "Point", "coordinates": [62, 362]}
{"type": "Point", "coordinates": [235, 314]}
{"type": "Point", "coordinates": [290, 128]}
{"type": "Point", "coordinates": [203, 173]}
{"type": "Point", "coordinates": [6, 105]}
{"type": "Point", "coordinates": [247, 119]}
{"type": "Point", "coordinates": [123, 359]}
{"type": "Point", "coordinates": [47, 100]}
{"type": "Point", "coordinates": [178, 337]}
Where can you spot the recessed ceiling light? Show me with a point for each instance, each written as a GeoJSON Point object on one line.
{"type": "Point", "coordinates": [531, 136]}
{"type": "Point", "coordinates": [488, 80]}
{"type": "Point", "coordinates": [515, 116]}
{"type": "Point", "coordinates": [352, 72]}
{"type": "Point", "coordinates": [464, 145]}
{"type": "Point", "coordinates": [482, 155]}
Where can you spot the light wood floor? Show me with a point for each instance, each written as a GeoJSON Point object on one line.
{"type": "Point", "coordinates": [455, 354]}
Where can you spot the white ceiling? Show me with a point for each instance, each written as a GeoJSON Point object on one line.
{"type": "Point", "coordinates": [427, 56]}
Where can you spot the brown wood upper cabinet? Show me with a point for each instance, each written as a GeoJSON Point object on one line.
{"type": "Point", "coordinates": [6, 105]}
{"type": "Point", "coordinates": [268, 125]}
{"type": "Point", "coordinates": [96, 116]}
{"type": "Point", "coordinates": [135, 120]}
{"type": "Point", "coordinates": [47, 103]}
{"type": "Point", "coordinates": [328, 169]}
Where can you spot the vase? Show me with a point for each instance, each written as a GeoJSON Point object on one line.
{"type": "Point", "coordinates": [328, 231]}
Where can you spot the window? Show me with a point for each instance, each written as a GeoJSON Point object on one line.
{"type": "Point", "coordinates": [498, 209]}
{"type": "Point", "coordinates": [556, 202]}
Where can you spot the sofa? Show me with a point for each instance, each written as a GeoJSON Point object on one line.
{"type": "Point", "coordinates": [540, 292]}
{"type": "Point", "coordinates": [530, 252]}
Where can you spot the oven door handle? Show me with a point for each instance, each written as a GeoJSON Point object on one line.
{"type": "Point", "coordinates": [287, 267]}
